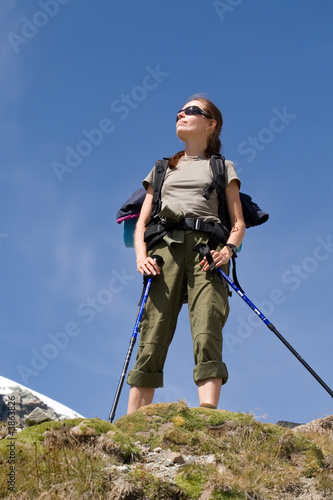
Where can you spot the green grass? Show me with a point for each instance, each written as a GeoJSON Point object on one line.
{"type": "Point", "coordinates": [74, 458]}
{"type": "Point", "coordinates": [75, 464]}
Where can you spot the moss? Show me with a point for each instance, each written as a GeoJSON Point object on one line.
{"type": "Point", "coordinates": [216, 417]}
{"type": "Point", "coordinates": [100, 426]}
{"type": "Point", "coordinates": [133, 423]}
{"type": "Point", "coordinates": [181, 436]}
{"type": "Point", "coordinates": [35, 433]}
{"type": "Point", "coordinates": [128, 449]}
{"type": "Point", "coordinates": [160, 418]}
{"type": "Point", "coordinates": [149, 487]}
{"type": "Point", "coordinates": [192, 480]}
{"type": "Point", "coordinates": [228, 495]}
{"type": "Point", "coordinates": [179, 421]}
{"type": "Point", "coordinates": [193, 421]}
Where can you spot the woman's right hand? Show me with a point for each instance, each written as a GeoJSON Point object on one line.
{"type": "Point", "coordinates": [144, 264]}
{"type": "Point", "coordinates": [148, 266]}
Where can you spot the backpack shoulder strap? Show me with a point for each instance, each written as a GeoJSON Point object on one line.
{"type": "Point", "coordinates": [160, 171]}
{"type": "Point", "coordinates": [217, 163]}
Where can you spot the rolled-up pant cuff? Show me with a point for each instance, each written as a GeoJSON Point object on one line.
{"type": "Point", "coordinates": [142, 379]}
{"type": "Point", "coordinates": [210, 369]}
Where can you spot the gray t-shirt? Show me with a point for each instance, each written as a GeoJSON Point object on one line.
{"type": "Point", "coordinates": [185, 184]}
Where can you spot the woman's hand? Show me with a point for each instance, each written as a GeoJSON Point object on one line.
{"type": "Point", "coordinates": [147, 266]}
{"type": "Point", "coordinates": [219, 258]}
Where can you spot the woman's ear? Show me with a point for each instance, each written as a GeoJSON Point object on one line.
{"type": "Point", "coordinates": [211, 126]}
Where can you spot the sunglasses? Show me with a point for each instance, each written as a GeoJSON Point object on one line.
{"type": "Point", "coordinates": [193, 110]}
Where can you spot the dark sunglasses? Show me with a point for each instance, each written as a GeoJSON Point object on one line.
{"type": "Point", "coordinates": [193, 110]}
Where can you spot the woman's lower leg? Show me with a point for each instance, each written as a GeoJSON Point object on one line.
{"type": "Point", "coordinates": [209, 392]}
{"type": "Point", "coordinates": [139, 396]}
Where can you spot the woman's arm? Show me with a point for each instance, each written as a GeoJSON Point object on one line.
{"type": "Point", "coordinates": [144, 264]}
{"type": "Point", "coordinates": [236, 214]}
{"type": "Point", "coordinates": [237, 226]}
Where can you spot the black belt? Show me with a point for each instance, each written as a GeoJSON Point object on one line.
{"type": "Point", "coordinates": [193, 225]}
{"type": "Point", "coordinates": [218, 233]}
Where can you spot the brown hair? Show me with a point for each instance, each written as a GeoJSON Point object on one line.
{"type": "Point", "coordinates": [214, 145]}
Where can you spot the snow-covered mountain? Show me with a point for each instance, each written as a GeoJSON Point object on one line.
{"type": "Point", "coordinates": [26, 400]}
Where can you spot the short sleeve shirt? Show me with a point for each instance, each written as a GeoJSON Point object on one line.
{"type": "Point", "coordinates": [185, 184]}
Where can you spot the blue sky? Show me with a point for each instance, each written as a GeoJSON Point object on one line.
{"type": "Point", "coordinates": [89, 95]}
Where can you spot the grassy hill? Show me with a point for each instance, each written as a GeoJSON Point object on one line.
{"type": "Point", "coordinates": [169, 451]}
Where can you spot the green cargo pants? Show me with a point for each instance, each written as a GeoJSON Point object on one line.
{"type": "Point", "coordinates": [208, 311]}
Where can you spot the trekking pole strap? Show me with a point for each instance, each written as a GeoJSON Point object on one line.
{"type": "Point", "coordinates": [204, 251]}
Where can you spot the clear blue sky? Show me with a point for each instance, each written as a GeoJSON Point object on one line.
{"type": "Point", "coordinates": [89, 95]}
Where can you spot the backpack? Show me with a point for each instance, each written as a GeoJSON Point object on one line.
{"type": "Point", "coordinates": [130, 210]}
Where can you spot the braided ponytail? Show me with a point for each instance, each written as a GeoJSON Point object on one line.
{"type": "Point", "coordinates": [213, 146]}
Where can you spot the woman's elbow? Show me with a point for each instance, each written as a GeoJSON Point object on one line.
{"type": "Point", "coordinates": [242, 226]}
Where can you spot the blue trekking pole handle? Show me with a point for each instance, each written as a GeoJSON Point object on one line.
{"type": "Point", "coordinates": [205, 252]}
{"type": "Point", "coordinates": [159, 262]}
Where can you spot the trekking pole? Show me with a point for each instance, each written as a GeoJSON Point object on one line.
{"type": "Point", "coordinates": [159, 262]}
{"type": "Point", "coordinates": [204, 251]}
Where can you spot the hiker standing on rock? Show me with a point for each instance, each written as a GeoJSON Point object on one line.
{"type": "Point", "coordinates": [189, 211]}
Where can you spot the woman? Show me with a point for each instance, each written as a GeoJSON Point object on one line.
{"type": "Point", "coordinates": [189, 173]}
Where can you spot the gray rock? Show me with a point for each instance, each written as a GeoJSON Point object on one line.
{"type": "Point", "coordinates": [25, 403]}
{"type": "Point", "coordinates": [287, 425]}
{"type": "Point", "coordinates": [38, 416]}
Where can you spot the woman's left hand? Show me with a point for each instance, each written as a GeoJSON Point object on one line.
{"type": "Point", "coordinates": [219, 258]}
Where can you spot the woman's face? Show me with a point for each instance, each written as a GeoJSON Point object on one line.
{"type": "Point", "coordinates": [196, 125]}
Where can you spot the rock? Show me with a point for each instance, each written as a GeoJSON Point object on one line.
{"type": "Point", "coordinates": [123, 468]}
{"type": "Point", "coordinates": [82, 431]}
{"type": "Point", "coordinates": [321, 426]}
{"type": "Point", "coordinates": [210, 459]}
{"type": "Point", "coordinates": [168, 463]}
{"type": "Point", "coordinates": [110, 434]}
{"type": "Point", "coordinates": [287, 425]}
{"type": "Point", "coordinates": [25, 403]}
{"type": "Point", "coordinates": [38, 416]}
{"type": "Point", "coordinates": [175, 458]}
